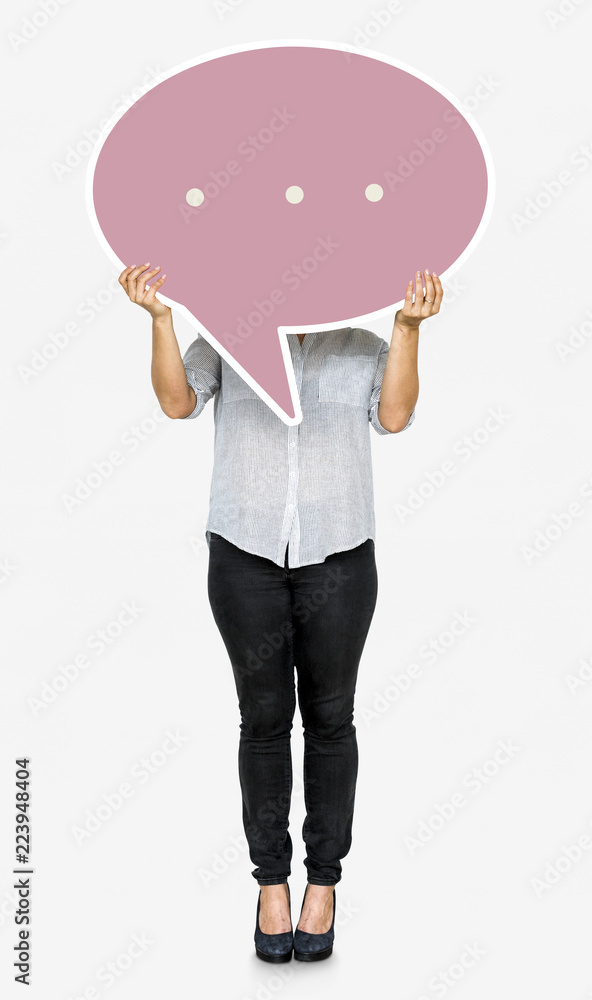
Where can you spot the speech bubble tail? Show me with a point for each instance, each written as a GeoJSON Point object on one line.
{"type": "Point", "coordinates": [266, 365]}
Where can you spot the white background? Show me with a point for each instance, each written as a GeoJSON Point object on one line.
{"type": "Point", "coordinates": [489, 875]}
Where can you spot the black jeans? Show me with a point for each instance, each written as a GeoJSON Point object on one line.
{"type": "Point", "coordinates": [315, 618]}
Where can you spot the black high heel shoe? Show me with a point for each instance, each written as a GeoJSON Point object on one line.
{"type": "Point", "coordinates": [273, 947]}
{"type": "Point", "coordinates": [313, 947]}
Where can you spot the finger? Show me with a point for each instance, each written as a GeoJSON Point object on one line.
{"type": "Point", "coordinates": [439, 292]}
{"type": "Point", "coordinates": [430, 292]}
{"type": "Point", "coordinates": [147, 275]}
{"type": "Point", "coordinates": [137, 271]}
{"type": "Point", "coordinates": [132, 281]}
{"type": "Point", "coordinates": [407, 309]}
{"type": "Point", "coordinates": [143, 278]}
{"type": "Point", "coordinates": [418, 292]}
{"type": "Point", "coordinates": [155, 286]}
{"type": "Point", "coordinates": [408, 296]}
{"type": "Point", "coordinates": [124, 276]}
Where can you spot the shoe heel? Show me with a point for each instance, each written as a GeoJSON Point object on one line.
{"type": "Point", "coordinates": [273, 947]}
{"type": "Point", "coordinates": [314, 947]}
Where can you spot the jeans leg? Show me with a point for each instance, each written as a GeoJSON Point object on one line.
{"type": "Point", "coordinates": [250, 601]}
{"type": "Point", "coordinates": [333, 606]}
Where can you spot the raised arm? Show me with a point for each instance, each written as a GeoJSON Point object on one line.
{"type": "Point", "coordinates": [400, 383]}
{"type": "Point", "coordinates": [169, 380]}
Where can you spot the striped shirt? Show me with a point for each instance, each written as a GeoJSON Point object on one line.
{"type": "Point", "coordinates": [309, 485]}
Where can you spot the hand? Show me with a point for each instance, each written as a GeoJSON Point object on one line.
{"type": "Point", "coordinates": [134, 283]}
{"type": "Point", "coordinates": [412, 313]}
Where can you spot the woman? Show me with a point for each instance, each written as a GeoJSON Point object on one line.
{"type": "Point", "coordinates": [292, 577]}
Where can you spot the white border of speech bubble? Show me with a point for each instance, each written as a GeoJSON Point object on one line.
{"type": "Point", "coordinates": [283, 330]}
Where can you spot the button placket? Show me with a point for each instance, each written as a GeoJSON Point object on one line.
{"type": "Point", "coordinates": [290, 525]}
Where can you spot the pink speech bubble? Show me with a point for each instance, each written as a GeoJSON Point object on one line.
{"type": "Point", "coordinates": [293, 186]}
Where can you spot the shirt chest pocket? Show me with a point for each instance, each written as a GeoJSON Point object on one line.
{"type": "Point", "coordinates": [234, 387]}
{"type": "Point", "coordinates": [346, 379]}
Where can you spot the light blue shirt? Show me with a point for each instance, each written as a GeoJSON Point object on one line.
{"type": "Point", "coordinates": [310, 484]}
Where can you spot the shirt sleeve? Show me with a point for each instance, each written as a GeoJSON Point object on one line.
{"type": "Point", "coordinates": [203, 369]}
{"type": "Point", "coordinates": [375, 396]}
